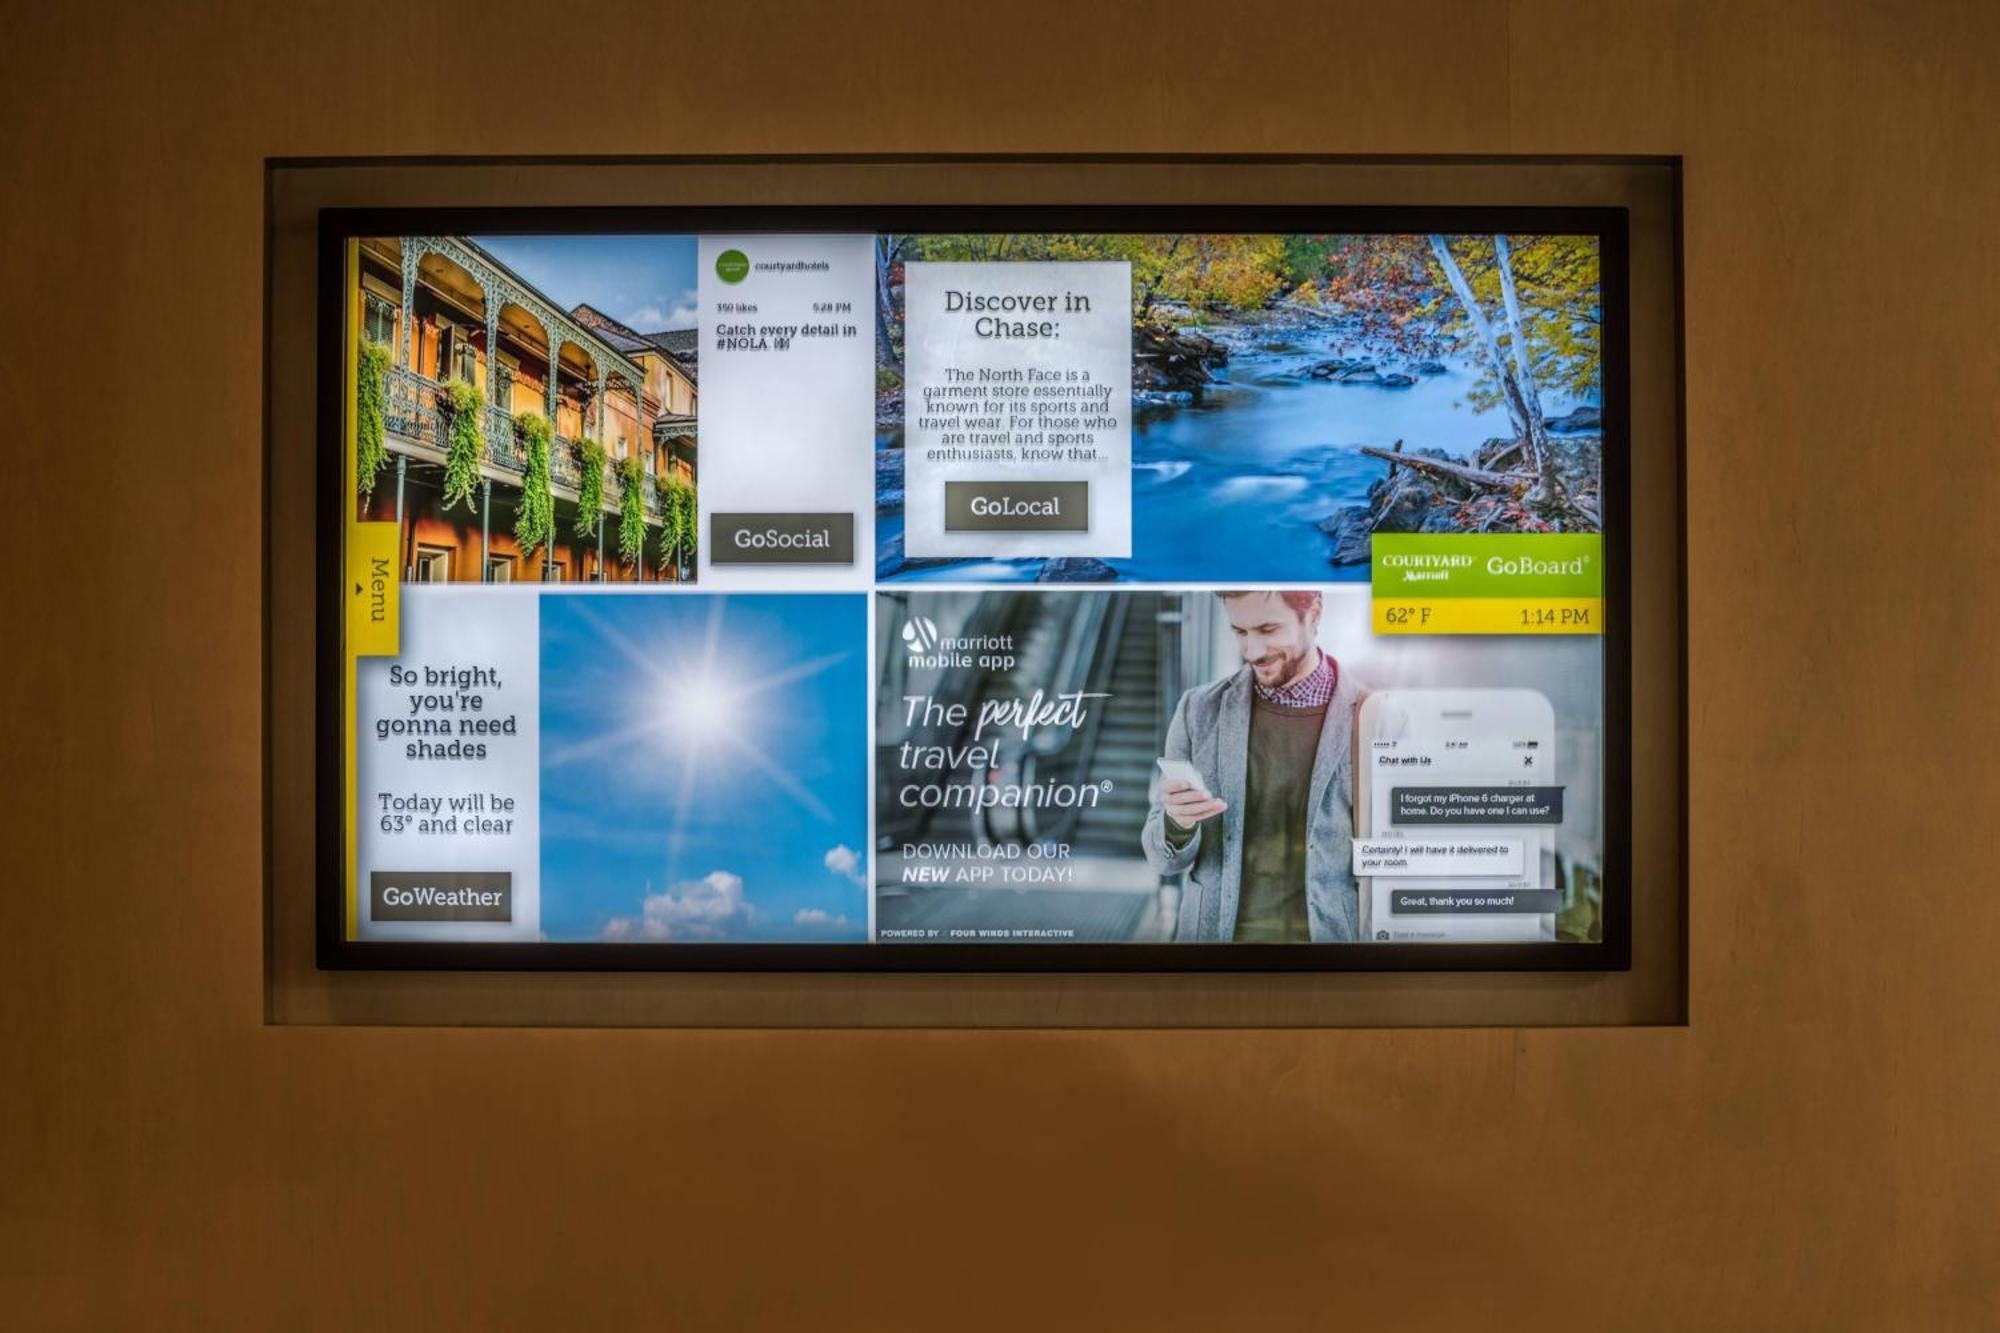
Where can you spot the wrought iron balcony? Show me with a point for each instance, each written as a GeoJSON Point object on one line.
{"type": "Point", "coordinates": [503, 448]}
{"type": "Point", "coordinates": [410, 408]}
{"type": "Point", "coordinates": [565, 465]}
{"type": "Point", "coordinates": [411, 413]}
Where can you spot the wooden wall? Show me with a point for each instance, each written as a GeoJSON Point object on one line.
{"type": "Point", "coordinates": [1817, 1149]}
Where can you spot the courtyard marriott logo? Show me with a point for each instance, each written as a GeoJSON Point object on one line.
{"type": "Point", "coordinates": [1487, 583]}
{"type": "Point", "coordinates": [1513, 564]}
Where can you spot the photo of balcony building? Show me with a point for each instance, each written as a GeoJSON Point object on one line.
{"type": "Point", "coordinates": [447, 311]}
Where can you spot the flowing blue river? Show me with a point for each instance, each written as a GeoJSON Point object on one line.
{"type": "Point", "coordinates": [1234, 487]}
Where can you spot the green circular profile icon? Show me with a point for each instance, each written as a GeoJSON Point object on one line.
{"type": "Point", "coordinates": [732, 266]}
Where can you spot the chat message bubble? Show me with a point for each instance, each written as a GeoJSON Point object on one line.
{"type": "Point", "coordinates": [1474, 902]}
{"type": "Point", "coordinates": [1440, 857]}
{"type": "Point", "coordinates": [1476, 805]}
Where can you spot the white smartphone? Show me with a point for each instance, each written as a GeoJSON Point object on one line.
{"type": "Point", "coordinates": [1447, 770]}
{"type": "Point", "coordinates": [1180, 770]}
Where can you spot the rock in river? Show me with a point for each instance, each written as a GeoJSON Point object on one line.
{"type": "Point", "coordinates": [1076, 569]}
{"type": "Point", "coordinates": [1583, 419]}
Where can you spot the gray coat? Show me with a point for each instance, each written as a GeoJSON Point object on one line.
{"type": "Point", "coordinates": [1211, 729]}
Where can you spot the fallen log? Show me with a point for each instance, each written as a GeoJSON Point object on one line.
{"type": "Point", "coordinates": [1472, 476]}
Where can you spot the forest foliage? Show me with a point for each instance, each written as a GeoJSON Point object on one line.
{"type": "Point", "coordinates": [1399, 295]}
{"type": "Point", "coordinates": [1393, 293]}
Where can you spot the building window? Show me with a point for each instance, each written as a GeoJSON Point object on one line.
{"type": "Point", "coordinates": [378, 319]}
{"type": "Point", "coordinates": [499, 569]}
{"type": "Point", "coordinates": [432, 565]}
{"type": "Point", "coordinates": [456, 358]}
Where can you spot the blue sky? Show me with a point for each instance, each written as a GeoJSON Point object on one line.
{"type": "Point", "coordinates": [646, 281]}
{"type": "Point", "coordinates": [704, 763]}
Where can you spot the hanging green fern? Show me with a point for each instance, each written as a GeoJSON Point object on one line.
{"type": "Point", "coordinates": [535, 516]}
{"type": "Point", "coordinates": [690, 521]}
{"type": "Point", "coordinates": [589, 491]}
{"type": "Point", "coordinates": [462, 408]}
{"type": "Point", "coordinates": [676, 521]}
{"type": "Point", "coordinates": [690, 524]}
{"type": "Point", "coordinates": [631, 510]}
{"type": "Point", "coordinates": [371, 372]}
{"type": "Point", "coordinates": [684, 501]}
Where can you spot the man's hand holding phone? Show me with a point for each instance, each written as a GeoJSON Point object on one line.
{"type": "Point", "coordinates": [1184, 796]}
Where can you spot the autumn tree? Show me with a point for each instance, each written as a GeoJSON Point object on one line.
{"type": "Point", "coordinates": [1527, 306]}
{"type": "Point", "coordinates": [889, 252]}
{"type": "Point", "coordinates": [1203, 273]}
{"type": "Point", "coordinates": [1509, 367]}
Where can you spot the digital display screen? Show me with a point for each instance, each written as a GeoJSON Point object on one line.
{"type": "Point", "coordinates": [998, 596]}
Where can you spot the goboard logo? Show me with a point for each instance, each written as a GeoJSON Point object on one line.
{"type": "Point", "coordinates": [921, 634]}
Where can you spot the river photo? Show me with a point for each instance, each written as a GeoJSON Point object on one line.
{"type": "Point", "coordinates": [1294, 395]}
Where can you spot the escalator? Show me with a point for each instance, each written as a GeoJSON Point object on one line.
{"type": "Point", "coordinates": [1132, 734]}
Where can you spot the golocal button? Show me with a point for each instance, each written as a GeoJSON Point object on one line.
{"type": "Point", "coordinates": [1017, 506]}
{"type": "Point", "coordinates": [781, 539]}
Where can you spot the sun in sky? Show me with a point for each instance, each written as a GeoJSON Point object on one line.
{"type": "Point", "coordinates": [717, 732]}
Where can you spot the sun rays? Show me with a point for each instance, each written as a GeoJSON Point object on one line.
{"type": "Point", "coordinates": [697, 710]}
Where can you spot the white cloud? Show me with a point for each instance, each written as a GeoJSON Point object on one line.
{"type": "Point", "coordinates": [710, 908]}
{"type": "Point", "coordinates": [814, 916]}
{"type": "Point", "coordinates": [657, 315]}
{"type": "Point", "coordinates": [844, 861]}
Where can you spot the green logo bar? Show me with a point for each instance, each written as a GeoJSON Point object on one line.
{"type": "Point", "coordinates": [1406, 565]}
{"type": "Point", "coordinates": [732, 266]}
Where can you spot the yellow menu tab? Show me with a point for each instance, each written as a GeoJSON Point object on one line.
{"type": "Point", "coordinates": [373, 604]}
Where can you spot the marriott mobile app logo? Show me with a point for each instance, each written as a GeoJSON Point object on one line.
{"type": "Point", "coordinates": [921, 634]}
{"type": "Point", "coordinates": [932, 650]}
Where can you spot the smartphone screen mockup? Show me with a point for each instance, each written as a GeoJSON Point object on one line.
{"type": "Point", "coordinates": [1458, 813]}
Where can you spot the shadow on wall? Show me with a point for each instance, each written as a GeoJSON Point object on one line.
{"type": "Point", "coordinates": [1050, 1178]}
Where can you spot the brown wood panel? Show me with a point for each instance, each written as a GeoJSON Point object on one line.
{"type": "Point", "coordinates": [1816, 1150]}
